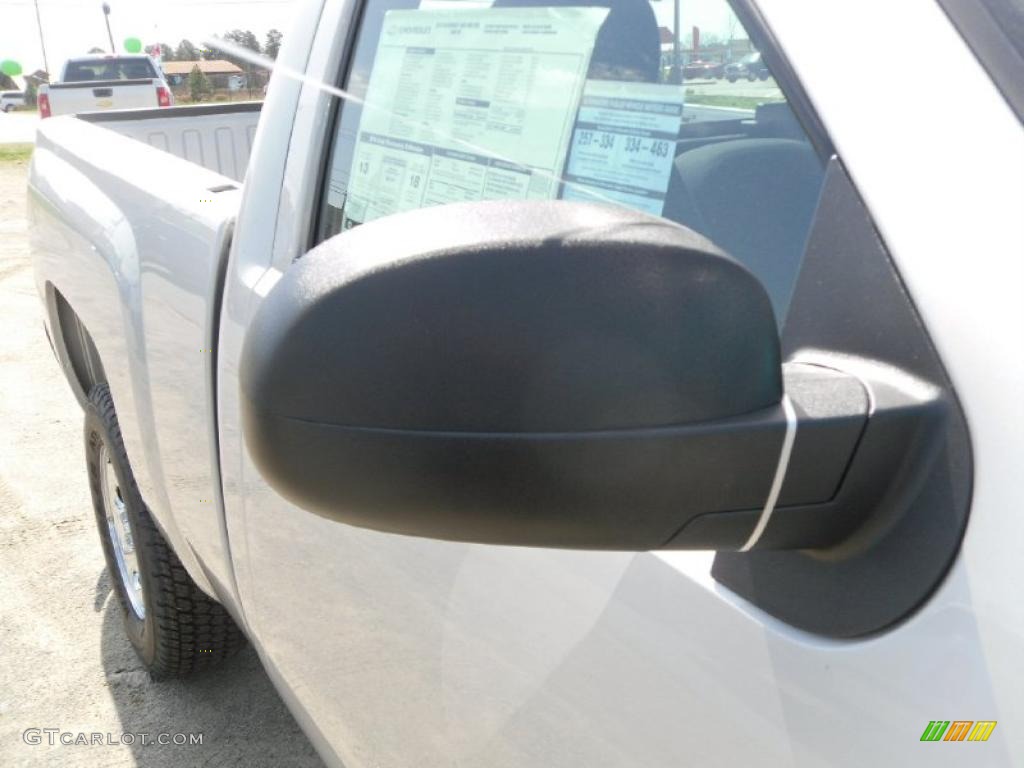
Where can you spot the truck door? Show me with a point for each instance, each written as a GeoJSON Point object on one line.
{"type": "Point", "coordinates": [400, 650]}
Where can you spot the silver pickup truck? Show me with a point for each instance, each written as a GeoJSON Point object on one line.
{"type": "Point", "coordinates": [525, 407]}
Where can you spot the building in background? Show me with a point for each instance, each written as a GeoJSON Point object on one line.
{"type": "Point", "coordinates": [223, 75]}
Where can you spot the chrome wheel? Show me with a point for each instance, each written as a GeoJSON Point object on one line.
{"type": "Point", "coordinates": [121, 535]}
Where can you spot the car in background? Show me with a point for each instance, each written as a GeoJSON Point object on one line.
{"type": "Point", "coordinates": [751, 66]}
{"type": "Point", "coordinates": [698, 69]}
{"type": "Point", "coordinates": [11, 99]}
{"type": "Point", "coordinates": [102, 82]}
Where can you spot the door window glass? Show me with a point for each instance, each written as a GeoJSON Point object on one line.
{"type": "Point", "coordinates": [108, 69]}
{"type": "Point", "coordinates": [462, 100]}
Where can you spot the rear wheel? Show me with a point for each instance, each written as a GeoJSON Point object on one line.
{"type": "Point", "coordinates": [174, 627]}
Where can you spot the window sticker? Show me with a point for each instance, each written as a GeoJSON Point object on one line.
{"type": "Point", "coordinates": [468, 104]}
{"type": "Point", "coordinates": [623, 144]}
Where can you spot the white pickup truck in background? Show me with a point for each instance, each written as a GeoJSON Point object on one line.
{"type": "Point", "coordinates": [103, 82]}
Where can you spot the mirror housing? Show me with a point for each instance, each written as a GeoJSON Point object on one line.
{"type": "Point", "coordinates": [539, 373]}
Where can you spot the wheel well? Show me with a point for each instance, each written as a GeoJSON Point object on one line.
{"type": "Point", "coordinates": [75, 348]}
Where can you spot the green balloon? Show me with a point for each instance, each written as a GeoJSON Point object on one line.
{"type": "Point", "coordinates": [10, 68]}
{"type": "Point", "coordinates": [132, 44]}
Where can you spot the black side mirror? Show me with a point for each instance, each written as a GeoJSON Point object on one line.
{"type": "Point", "coordinates": [545, 374]}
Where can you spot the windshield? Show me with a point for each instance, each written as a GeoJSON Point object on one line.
{"type": "Point", "coordinates": [108, 69]}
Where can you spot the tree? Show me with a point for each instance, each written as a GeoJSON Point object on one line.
{"type": "Point", "coordinates": [243, 39]}
{"type": "Point", "coordinates": [166, 51]}
{"type": "Point", "coordinates": [710, 39]}
{"type": "Point", "coordinates": [732, 23]}
{"type": "Point", "coordinates": [249, 41]}
{"type": "Point", "coordinates": [272, 45]}
{"type": "Point", "coordinates": [198, 84]}
{"type": "Point", "coordinates": [32, 83]}
{"type": "Point", "coordinates": [6, 83]}
{"type": "Point", "coordinates": [186, 51]}
{"type": "Point", "coordinates": [95, 49]}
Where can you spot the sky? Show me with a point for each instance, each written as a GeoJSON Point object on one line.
{"type": "Point", "coordinates": [72, 27]}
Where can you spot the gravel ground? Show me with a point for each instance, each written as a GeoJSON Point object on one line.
{"type": "Point", "coordinates": [64, 660]}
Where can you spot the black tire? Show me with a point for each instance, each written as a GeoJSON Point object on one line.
{"type": "Point", "coordinates": [183, 630]}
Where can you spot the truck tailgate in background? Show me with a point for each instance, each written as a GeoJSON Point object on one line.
{"type": "Point", "coordinates": [92, 95]}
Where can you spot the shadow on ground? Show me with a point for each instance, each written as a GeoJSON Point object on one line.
{"type": "Point", "coordinates": [235, 708]}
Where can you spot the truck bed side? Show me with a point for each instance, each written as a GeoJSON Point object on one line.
{"type": "Point", "coordinates": [216, 136]}
{"type": "Point", "coordinates": [128, 246]}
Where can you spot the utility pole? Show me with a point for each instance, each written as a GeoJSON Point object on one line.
{"type": "Point", "coordinates": [106, 17]}
{"type": "Point", "coordinates": [42, 44]}
{"type": "Point", "coordinates": [675, 73]}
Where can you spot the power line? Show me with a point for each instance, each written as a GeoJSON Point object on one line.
{"type": "Point", "coordinates": [39, 23]}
